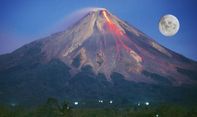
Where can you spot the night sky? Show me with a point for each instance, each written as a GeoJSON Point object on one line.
{"type": "Point", "coordinates": [22, 21]}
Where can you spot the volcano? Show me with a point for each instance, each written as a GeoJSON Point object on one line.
{"type": "Point", "coordinates": [99, 56]}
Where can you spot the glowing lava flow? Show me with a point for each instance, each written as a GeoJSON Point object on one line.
{"type": "Point", "coordinates": [111, 25]}
{"type": "Point", "coordinates": [106, 17]}
{"type": "Point", "coordinates": [119, 37]}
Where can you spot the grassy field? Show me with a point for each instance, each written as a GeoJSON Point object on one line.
{"type": "Point", "coordinates": [53, 109]}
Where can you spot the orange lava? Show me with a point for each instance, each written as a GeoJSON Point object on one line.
{"type": "Point", "coordinates": [118, 35]}
{"type": "Point", "coordinates": [111, 25]}
{"type": "Point", "coordinates": [106, 17]}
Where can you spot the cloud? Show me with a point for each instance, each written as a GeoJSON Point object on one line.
{"type": "Point", "coordinates": [71, 19]}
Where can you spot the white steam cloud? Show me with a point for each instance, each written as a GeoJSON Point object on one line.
{"type": "Point", "coordinates": [72, 18]}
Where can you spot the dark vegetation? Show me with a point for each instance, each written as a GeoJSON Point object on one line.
{"type": "Point", "coordinates": [32, 86]}
{"type": "Point", "coordinates": [36, 82]}
{"type": "Point", "coordinates": [76, 61]}
{"type": "Point", "coordinates": [190, 73]}
{"type": "Point", "coordinates": [52, 108]}
{"type": "Point", "coordinates": [158, 78]}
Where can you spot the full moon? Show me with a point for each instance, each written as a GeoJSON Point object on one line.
{"type": "Point", "coordinates": [169, 25]}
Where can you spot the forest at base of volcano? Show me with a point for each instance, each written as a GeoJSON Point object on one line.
{"type": "Point", "coordinates": [52, 108]}
{"type": "Point", "coordinates": [119, 90]}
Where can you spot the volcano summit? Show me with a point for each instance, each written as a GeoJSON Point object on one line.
{"type": "Point", "coordinates": [99, 56]}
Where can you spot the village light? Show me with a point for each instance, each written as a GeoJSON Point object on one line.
{"type": "Point", "coordinates": [147, 103]}
{"type": "Point", "coordinates": [76, 103]}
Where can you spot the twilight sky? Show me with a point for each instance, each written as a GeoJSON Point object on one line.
{"type": "Point", "coordinates": [22, 21]}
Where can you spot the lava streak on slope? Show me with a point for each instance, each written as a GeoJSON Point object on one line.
{"type": "Point", "coordinates": [111, 25]}
{"type": "Point", "coordinates": [106, 17]}
{"type": "Point", "coordinates": [120, 37]}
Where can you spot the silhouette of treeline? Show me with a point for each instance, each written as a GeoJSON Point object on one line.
{"type": "Point", "coordinates": [52, 108]}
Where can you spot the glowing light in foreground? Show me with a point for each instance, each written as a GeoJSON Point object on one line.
{"type": "Point", "coordinates": [110, 101]}
{"type": "Point", "coordinates": [147, 103]}
{"type": "Point", "coordinates": [76, 103]}
{"type": "Point", "coordinates": [100, 101]}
